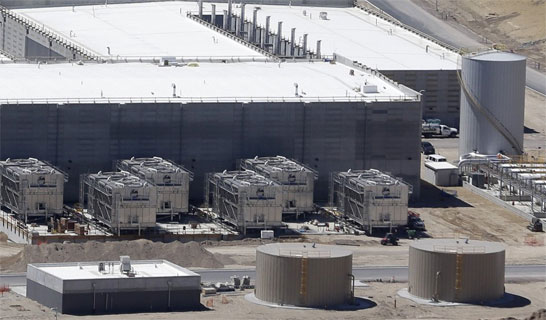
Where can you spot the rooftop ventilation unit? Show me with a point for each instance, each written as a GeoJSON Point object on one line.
{"type": "Point", "coordinates": [125, 264]}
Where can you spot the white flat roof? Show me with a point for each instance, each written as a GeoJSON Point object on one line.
{"type": "Point", "coordinates": [138, 30]}
{"type": "Point", "coordinates": [89, 270]}
{"type": "Point", "coordinates": [440, 165]}
{"type": "Point", "coordinates": [357, 35]}
{"type": "Point", "coordinates": [213, 81]}
{"type": "Point", "coordinates": [162, 29]}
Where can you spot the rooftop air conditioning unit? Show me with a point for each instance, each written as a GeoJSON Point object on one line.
{"type": "Point", "coordinates": [125, 264]}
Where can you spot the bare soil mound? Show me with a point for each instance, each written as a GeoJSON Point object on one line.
{"type": "Point", "coordinates": [190, 254]}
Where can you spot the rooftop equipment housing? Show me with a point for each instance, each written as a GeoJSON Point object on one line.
{"type": "Point", "coordinates": [122, 286]}
{"type": "Point", "coordinates": [120, 200]}
{"type": "Point", "coordinates": [245, 199]}
{"type": "Point", "coordinates": [304, 274]}
{"type": "Point", "coordinates": [371, 198]}
{"type": "Point", "coordinates": [171, 180]}
{"type": "Point", "coordinates": [296, 179]}
{"type": "Point", "coordinates": [492, 103]}
{"type": "Point", "coordinates": [31, 188]}
{"type": "Point", "coordinates": [456, 270]}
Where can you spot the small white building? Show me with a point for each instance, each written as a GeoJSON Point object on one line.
{"type": "Point", "coordinates": [31, 188]}
{"type": "Point", "coordinates": [122, 286]}
{"type": "Point", "coordinates": [441, 174]}
{"type": "Point", "coordinates": [245, 199]}
{"type": "Point", "coordinates": [371, 198]}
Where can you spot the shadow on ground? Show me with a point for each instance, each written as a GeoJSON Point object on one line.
{"type": "Point", "coordinates": [434, 197]}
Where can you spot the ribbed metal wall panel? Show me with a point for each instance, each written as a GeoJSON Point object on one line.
{"type": "Point", "coordinates": [279, 278]}
{"type": "Point", "coordinates": [211, 137]}
{"type": "Point", "coordinates": [497, 81]}
{"type": "Point", "coordinates": [482, 275]}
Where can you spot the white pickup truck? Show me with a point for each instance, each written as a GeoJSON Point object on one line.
{"type": "Point", "coordinates": [438, 130]}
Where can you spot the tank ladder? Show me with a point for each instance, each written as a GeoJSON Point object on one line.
{"type": "Point", "coordinates": [458, 273]}
{"type": "Point", "coordinates": [303, 283]}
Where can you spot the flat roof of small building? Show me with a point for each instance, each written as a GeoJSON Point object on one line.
{"type": "Point", "coordinates": [355, 34]}
{"type": "Point", "coordinates": [458, 246]}
{"type": "Point", "coordinates": [195, 82]}
{"type": "Point", "coordinates": [439, 165]}
{"type": "Point", "coordinates": [153, 29]}
{"type": "Point", "coordinates": [90, 270]}
{"type": "Point", "coordinates": [305, 250]}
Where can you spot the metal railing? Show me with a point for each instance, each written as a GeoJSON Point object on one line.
{"type": "Point", "coordinates": [305, 253]}
{"type": "Point", "coordinates": [48, 33]}
{"type": "Point", "coordinates": [122, 100]}
{"type": "Point", "coordinates": [468, 249]}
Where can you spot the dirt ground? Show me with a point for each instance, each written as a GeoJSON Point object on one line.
{"type": "Point", "coordinates": [520, 25]}
{"type": "Point", "coordinates": [529, 300]}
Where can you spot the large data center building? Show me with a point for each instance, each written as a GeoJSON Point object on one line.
{"type": "Point", "coordinates": [120, 200]}
{"type": "Point", "coordinates": [245, 199]}
{"type": "Point", "coordinates": [31, 188]}
{"type": "Point", "coordinates": [83, 116]}
{"type": "Point", "coordinates": [371, 198]}
{"type": "Point", "coordinates": [171, 180]}
{"type": "Point", "coordinates": [296, 179]}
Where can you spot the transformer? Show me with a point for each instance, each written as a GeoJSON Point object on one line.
{"type": "Point", "coordinates": [120, 200]}
{"type": "Point", "coordinates": [297, 181]}
{"type": "Point", "coordinates": [31, 188]}
{"type": "Point", "coordinates": [371, 198]}
{"type": "Point", "coordinates": [171, 180]}
{"type": "Point", "coordinates": [245, 199]}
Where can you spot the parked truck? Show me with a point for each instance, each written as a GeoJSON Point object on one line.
{"type": "Point", "coordinates": [437, 130]}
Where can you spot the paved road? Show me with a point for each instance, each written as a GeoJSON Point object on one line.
{"type": "Point", "coordinates": [411, 14]}
{"type": "Point", "coordinates": [400, 273]}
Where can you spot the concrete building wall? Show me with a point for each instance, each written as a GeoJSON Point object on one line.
{"type": "Point", "coordinates": [85, 138]}
{"type": "Point", "coordinates": [442, 92]}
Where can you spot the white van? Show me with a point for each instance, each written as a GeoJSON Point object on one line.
{"type": "Point", "coordinates": [436, 158]}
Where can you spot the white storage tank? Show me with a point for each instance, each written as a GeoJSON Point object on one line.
{"type": "Point", "coordinates": [456, 270]}
{"type": "Point", "coordinates": [492, 103]}
{"type": "Point", "coordinates": [304, 274]}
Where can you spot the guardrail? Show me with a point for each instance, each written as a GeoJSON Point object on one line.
{"type": "Point", "coordinates": [468, 249]}
{"type": "Point", "coordinates": [305, 253]}
{"type": "Point", "coordinates": [50, 34]}
{"type": "Point", "coordinates": [183, 100]}
{"type": "Point", "coordinates": [12, 225]}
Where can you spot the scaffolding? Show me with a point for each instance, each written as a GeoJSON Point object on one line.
{"type": "Point", "coordinates": [245, 199]}
{"type": "Point", "coordinates": [120, 200]}
{"type": "Point", "coordinates": [297, 181]}
{"type": "Point", "coordinates": [31, 188]}
{"type": "Point", "coordinates": [171, 180]}
{"type": "Point", "coordinates": [371, 198]}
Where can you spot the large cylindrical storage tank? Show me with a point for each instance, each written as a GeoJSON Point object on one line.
{"type": "Point", "coordinates": [496, 80]}
{"type": "Point", "coordinates": [300, 274]}
{"type": "Point", "coordinates": [456, 270]}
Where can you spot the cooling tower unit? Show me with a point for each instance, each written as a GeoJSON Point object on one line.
{"type": "Point", "coordinates": [171, 180]}
{"type": "Point", "coordinates": [245, 199]}
{"type": "Point", "coordinates": [296, 179]}
{"type": "Point", "coordinates": [304, 274]}
{"type": "Point", "coordinates": [456, 270]}
{"type": "Point", "coordinates": [31, 188]}
{"type": "Point", "coordinates": [492, 103]}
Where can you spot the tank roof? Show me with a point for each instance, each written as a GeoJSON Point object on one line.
{"type": "Point", "coordinates": [496, 56]}
{"type": "Point", "coordinates": [305, 250]}
{"type": "Point", "coordinates": [463, 246]}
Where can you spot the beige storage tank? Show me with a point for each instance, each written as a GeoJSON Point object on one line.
{"type": "Point", "coordinates": [304, 274]}
{"type": "Point", "coordinates": [456, 270]}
